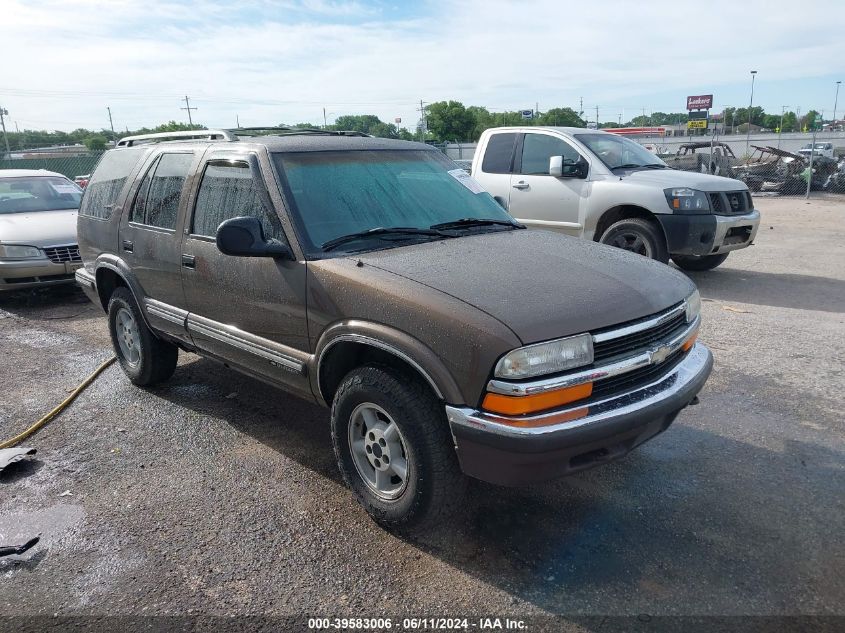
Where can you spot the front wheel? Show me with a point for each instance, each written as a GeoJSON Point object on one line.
{"type": "Point", "coordinates": [393, 448]}
{"type": "Point", "coordinates": [637, 236]}
{"type": "Point", "coordinates": [704, 262]}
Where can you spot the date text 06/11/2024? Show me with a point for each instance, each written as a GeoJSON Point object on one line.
{"type": "Point", "coordinates": [416, 624]}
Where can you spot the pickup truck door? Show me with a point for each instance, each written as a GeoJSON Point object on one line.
{"type": "Point", "coordinates": [539, 200]}
{"type": "Point", "coordinates": [246, 311]}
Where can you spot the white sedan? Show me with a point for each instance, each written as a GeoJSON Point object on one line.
{"type": "Point", "coordinates": [38, 245]}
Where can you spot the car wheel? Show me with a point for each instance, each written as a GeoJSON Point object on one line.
{"type": "Point", "coordinates": [394, 449]}
{"type": "Point", "coordinates": [637, 236]}
{"type": "Point", "coordinates": [145, 359]}
{"type": "Point", "coordinates": [704, 262]}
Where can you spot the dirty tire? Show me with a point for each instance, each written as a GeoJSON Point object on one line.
{"type": "Point", "coordinates": [156, 359]}
{"type": "Point", "coordinates": [705, 262]}
{"type": "Point", "coordinates": [434, 485]}
{"type": "Point", "coordinates": [636, 235]}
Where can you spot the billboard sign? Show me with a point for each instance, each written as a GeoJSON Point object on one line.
{"type": "Point", "coordinates": [700, 102]}
{"type": "Point", "coordinates": [697, 124]}
{"type": "Point", "coordinates": [527, 114]}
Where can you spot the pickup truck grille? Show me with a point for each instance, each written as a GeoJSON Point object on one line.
{"type": "Point", "coordinates": [731, 203]}
{"type": "Point", "coordinates": [635, 379]}
{"type": "Point", "coordinates": [62, 254]}
{"type": "Point", "coordinates": [637, 342]}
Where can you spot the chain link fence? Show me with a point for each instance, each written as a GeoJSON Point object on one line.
{"type": "Point", "coordinates": [72, 166]}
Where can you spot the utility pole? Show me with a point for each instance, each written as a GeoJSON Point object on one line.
{"type": "Point", "coordinates": [188, 108]}
{"type": "Point", "coordinates": [111, 123]}
{"type": "Point", "coordinates": [536, 109]}
{"type": "Point", "coordinates": [750, 105]}
{"type": "Point", "coordinates": [325, 125]}
{"type": "Point", "coordinates": [780, 129]}
{"type": "Point", "coordinates": [237, 122]}
{"type": "Point", "coordinates": [581, 108]}
{"type": "Point", "coordinates": [423, 127]}
{"type": "Point", "coordinates": [3, 124]}
{"type": "Point", "coordinates": [597, 117]}
{"type": "Point", "coordinates": [810, 168]}
{"type": "Point", "coordinates": [835, 103]}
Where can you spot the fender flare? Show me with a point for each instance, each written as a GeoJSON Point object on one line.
{"type": "Point", "coordinates": [393, 341]}
{"type": "Point", "coordinates": [119, 267]}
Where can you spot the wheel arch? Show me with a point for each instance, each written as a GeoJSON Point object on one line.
{"type": "Point", "coordinates": [111, 273]}
{"type": "Point", "coordinates": [624, 212]}
{"type": "Point", "coordinates": [354, 344]}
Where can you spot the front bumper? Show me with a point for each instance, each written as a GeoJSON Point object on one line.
{"type": "Point", "coordinates": [556, 443]}
{"type": "Point", "coordinates": [709, 234]}
{"type": "Point", "coordinates": [34, 273]}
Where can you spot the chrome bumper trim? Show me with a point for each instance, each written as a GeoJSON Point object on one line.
{"type": "Point", "coordinates": [652, 356]}
{"type": "Point", "coordinates": [642, 326]}
{"type": "Point", "coordinates": [698, 361]}
{"type": "Point", "coordinates": [85, 279]}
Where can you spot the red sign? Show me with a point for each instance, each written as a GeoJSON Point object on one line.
{"type": "Point", "coordinates": [700, 102]}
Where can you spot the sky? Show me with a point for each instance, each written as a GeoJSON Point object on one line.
{"type": "Point", "coordinates": [266, 62]}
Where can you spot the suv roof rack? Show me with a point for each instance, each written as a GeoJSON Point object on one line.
{"type": "Point", "coordinates": [289, 131]}
{"type": "Point", "coordinates": [159, 137]}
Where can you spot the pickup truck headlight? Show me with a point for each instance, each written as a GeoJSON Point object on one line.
{"type": "Point", "coordinates": [685, 200]}
{"type": "Point", "coordinates": [693, 306]}
{"type": "Point", "coordinates": [546, 358]}
{"type": "Point", "coordinates": [17, 251]}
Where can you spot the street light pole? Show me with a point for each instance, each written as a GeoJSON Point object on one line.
{"type": "Point", "coordinates": [835, 103]}
{"type": "Point", "coordinates": [780, 129]}
{"type": "Point", "coordinates": [750, 105]}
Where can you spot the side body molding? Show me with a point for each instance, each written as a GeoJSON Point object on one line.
{"type": "Point", "coordinates": [393, 341]}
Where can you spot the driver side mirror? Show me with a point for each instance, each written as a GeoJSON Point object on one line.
{"type": "Point", "coordinates": [561, 167]}
{"type": "Point", "coordinates": [244, 237]}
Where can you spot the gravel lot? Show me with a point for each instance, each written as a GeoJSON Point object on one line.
{"type": "Point", "coordinates": [214, 494]}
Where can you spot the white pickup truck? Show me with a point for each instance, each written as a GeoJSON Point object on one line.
{"type": "Point", "coordinates": [607, 188]}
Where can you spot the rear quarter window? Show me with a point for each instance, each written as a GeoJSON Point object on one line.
{"type": "Point", "coordinates": [107, 182]}
{"type": "Point", "coordinates": [498, 155]}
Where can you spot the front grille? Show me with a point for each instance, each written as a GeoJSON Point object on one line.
{"type": "Point", "coordinates": [638, 341]}
{"type": "Point", "coordinates": [731, 203]}
{"type": "Point", "coordinates": [717, 204]}
{"type": "Point", "coordinates": [635, 379]}
{"type": "Point", "coordinates": [62, 254]}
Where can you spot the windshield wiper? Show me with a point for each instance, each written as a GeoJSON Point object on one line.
{"type": "Point", "coordinates": [655, 166]}
{"type": "Point", "coordinates": [469, 222]}
{"type": "Point", "coordinates": [627, 166]}
{"type": "Point", "coordinates": [379, 231]}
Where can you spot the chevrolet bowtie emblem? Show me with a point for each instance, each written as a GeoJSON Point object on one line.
{"type": "Point", "coordinates": [659, 355]}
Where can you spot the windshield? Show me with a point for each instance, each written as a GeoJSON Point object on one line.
{"type": "Point", "coordinates": [38, 193]}
{"type": "Point", "coordinates": [617, 152]}
{"type": "Point", "coordinates": [335, 194]}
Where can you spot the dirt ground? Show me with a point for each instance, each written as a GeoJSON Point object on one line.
{"type": "Point", "coordinates": [214, 494]}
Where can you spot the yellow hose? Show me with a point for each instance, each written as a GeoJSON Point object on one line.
{"type": "Point", "coordinates": [20, 438]}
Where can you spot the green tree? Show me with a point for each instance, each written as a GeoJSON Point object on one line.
{"type": "Point", "coordinates": [96, 143]}
{"type": "Point", "coordinates": [366, 123]}
{"type": "Point", "coordinates": [560, 116]}
{"type": "Point", "coordinates": [449, 121]}
{"type": "Point", "coordinates": [810, 120]}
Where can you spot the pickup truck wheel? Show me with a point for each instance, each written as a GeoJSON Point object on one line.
{"type": "Point", "coordinates": [393, 448]}
{"type": "Point", "coordinates": [704, 262]}
{"type": "Point", "coordinates": [145, 359]}
{"type": "Point", "coordinates": [637, 236]}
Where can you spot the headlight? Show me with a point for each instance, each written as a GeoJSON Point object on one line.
{"type": "Point", "coordinates": [686, 200]}
{"type": "Point", "coordinates": [546, 358]}
{"type": "Point", "coordinates": [693, 306]}
{"type": "Point", "coordinates": [15, 251]}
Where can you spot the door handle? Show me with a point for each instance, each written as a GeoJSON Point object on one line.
{"type": "Point", "coordinates": [128, 245]}
{"type": "Point", "coordinates": [521, 185]}
{"type": "Point", "coordinates": [188, 261]}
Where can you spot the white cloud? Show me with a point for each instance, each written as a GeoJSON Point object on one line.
{"type": "Point", "coordinates": [282, 61]}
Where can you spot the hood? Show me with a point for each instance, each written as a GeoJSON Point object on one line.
{"type": "Point", "coordinates": [39, 228]}
{"type": "Point", "coordinates": [665, 178]}
{"type": "Point", "coordinates": [542, 285]}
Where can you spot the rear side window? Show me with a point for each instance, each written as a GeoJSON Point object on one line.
{"type": "Point", "coordinates": [499, 154]}
{"type": "Point", "coordinates": [228, 191]}
{"type": "Point", "coordinates": [157, 202]}
{"type": "Point", "coordinates": [107, 182]}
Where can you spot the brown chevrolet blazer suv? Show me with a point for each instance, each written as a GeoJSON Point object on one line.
{"type": "Point", "coordinates": [375, 277]}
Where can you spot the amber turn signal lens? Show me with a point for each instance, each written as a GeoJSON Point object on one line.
{"type": "Point", "coordinates": [687, 346]}
{"type": "Point", "coordinates": [520, 405]}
